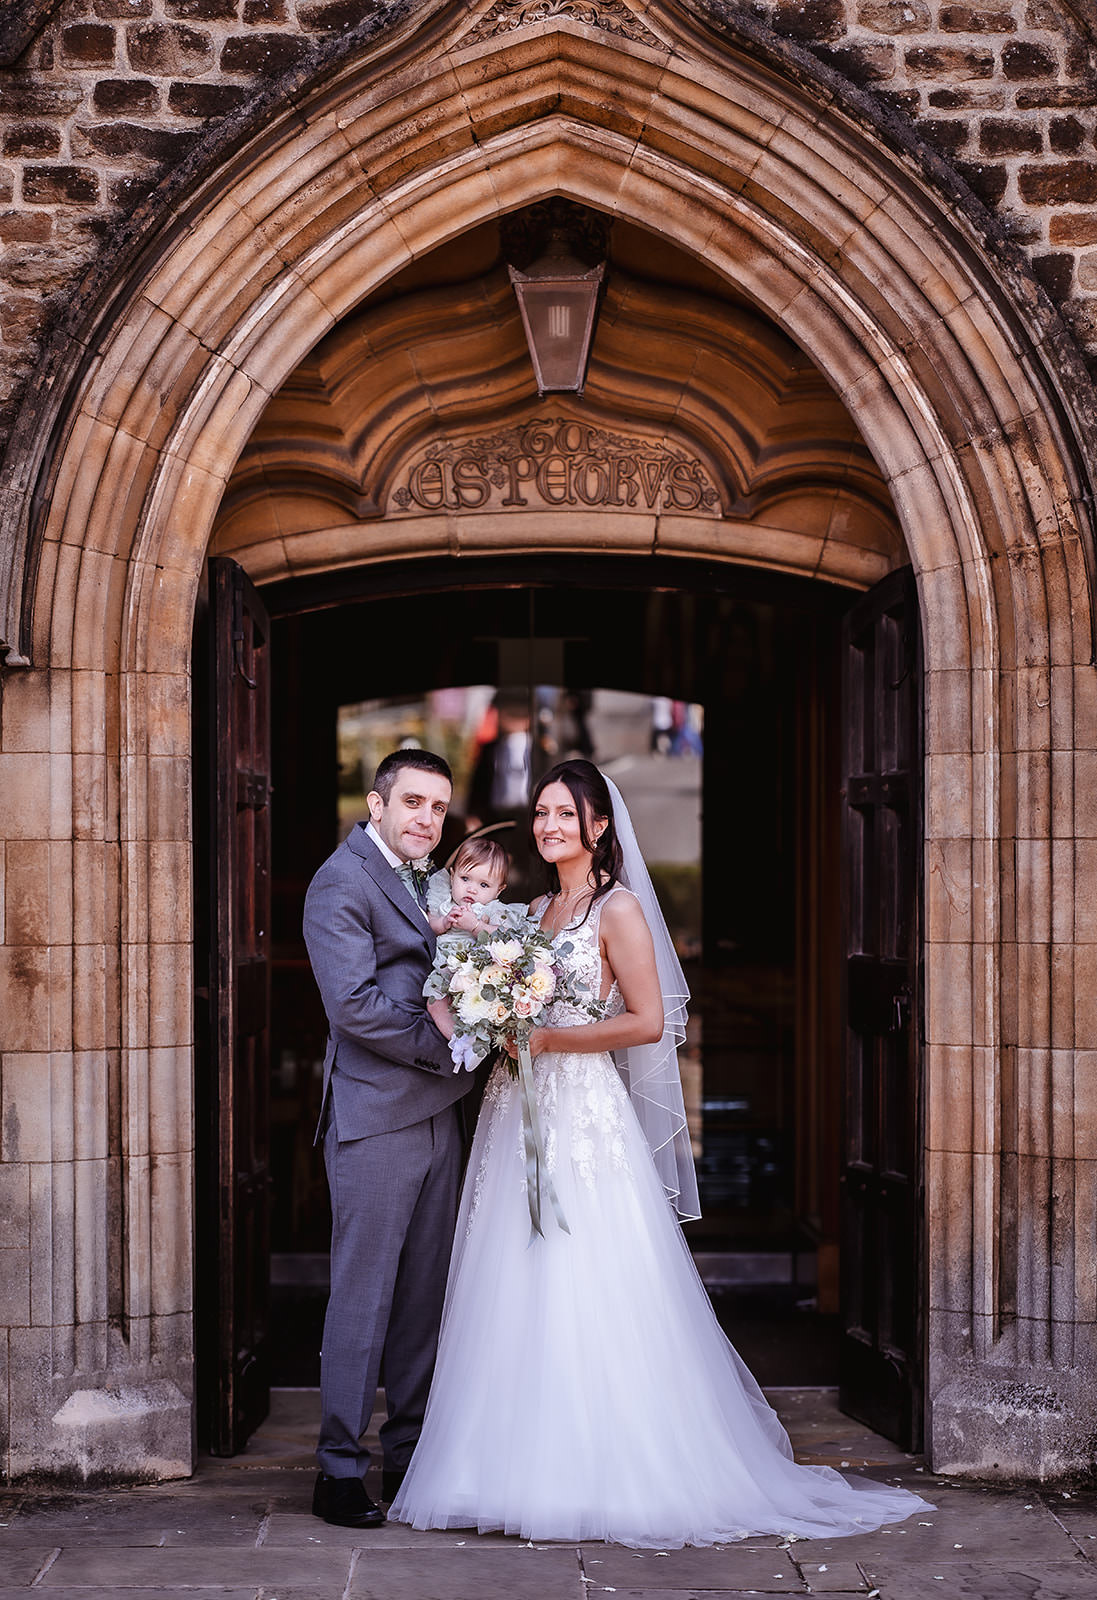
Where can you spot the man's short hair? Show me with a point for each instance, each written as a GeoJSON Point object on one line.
{"type": "Point", "coordinates": [417, 760]}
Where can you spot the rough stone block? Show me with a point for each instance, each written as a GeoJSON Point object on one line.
{"type": "Point", "coordinates": [206, 100]}
{"type": "Point", "coordinates": [1006, 136]}
{"type": "Point", "coordinates": [861, 63]}
{"type": "Point", "coordinates": [14, 1286]}
{"type": "Point", "coordinates": [973, 19]}
{"type": "Point", "coordinates": [966, 99]}
{"type": "Point", "coordinates": [201, 10]}
{"type": "Point", "coordinates": [332, 14]}
{"type": "Point", "coordinates": [1024, 60]}
{"type": "Point", "coordinates": [125, 96]}
{"type": "Point", "coordinates": [128, 1432]}
{"type": "Point", "coordinates": [122, 10]}
{"type": "Point", "coordinates": [949, 61]}
{"type": "Point", "coordinates": [262, 53]}
{"type": "Point", "coordinates": [19, 99]}
{"type": "Point", "coordinates": [1066, 135]}
{"type": "Point", "coordinates": [1055, 96]}
{"type": "Point", "coordinates": [127, 193]}
{"type": "Point", "coordinates": [947, 134]}
{"type": "Point", "coordinates": [894, 16]}
{"type": "Point", "coordinates": [988, 181]}
{"type": "Point", "coordinates": [257, 11]}
{"type": "Point", "coordinates": [31, 139]}
{"type": "Point", "coordinates": [1087, 272]}
{"type": "Point", "coordinates": [810, 21]}
{"type": "Point", "coordinates": [165, 49]}
{"type": "Point", "coordinates": [118, 139]}
{"type": "Point", "coordinates": [1059, 183]}
{"type": "Point", "coordinates": [1020, 1425]}
{"type": "Point", "coordinates": [88, 44]}
{"type": "Point", "coordinates": [60, 185]}
{"type": "Point", "coordinates": [1056, 273]}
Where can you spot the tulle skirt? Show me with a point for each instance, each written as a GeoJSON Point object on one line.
{"type": "Point", "coordinates": [584, 1389]}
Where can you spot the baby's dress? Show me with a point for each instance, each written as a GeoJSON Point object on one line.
{"type": "Point", "coordinates": [584, 1388]}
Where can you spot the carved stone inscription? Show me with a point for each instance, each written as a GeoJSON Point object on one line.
{"type": "Point", "coordinates": [556, 462]}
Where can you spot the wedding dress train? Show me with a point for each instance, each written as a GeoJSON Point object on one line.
{"type": "Point", "coordinates": [584, 1389]}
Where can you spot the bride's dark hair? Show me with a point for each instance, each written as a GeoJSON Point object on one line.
{"type": "Point", "coordinates": [592, 799]}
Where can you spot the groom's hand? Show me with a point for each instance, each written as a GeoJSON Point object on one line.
{"type": "Point", "coordinates": [442, 1017]}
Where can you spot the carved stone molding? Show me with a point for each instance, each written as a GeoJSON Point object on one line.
{"type": "Point", "coordinates": [612, 16]}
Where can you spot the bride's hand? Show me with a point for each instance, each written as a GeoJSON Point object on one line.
{"type": "Point", "coordinates": [537, 1044]}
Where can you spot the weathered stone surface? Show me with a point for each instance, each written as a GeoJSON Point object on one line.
{"type": "Point", "coordinates": [88, 44]}
{"type": "Point", "coordinates": [155, 47]}
{"type": "Point", "coordinates": [206, 100]}
{"type": "Point", "coordinates": [261, 53]}
{"type": "Point", "coordinates": [125, 96]}
{"type": "Point", "coordinates": [60, 185]}
{"type": "Point", "coordinates": [1060, 183]}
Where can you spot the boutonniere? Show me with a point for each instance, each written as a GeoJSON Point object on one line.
{"type": "Point", "coordinates": [415, 874]}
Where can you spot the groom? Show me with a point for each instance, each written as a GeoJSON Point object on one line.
{"type": "Point", "coordinates": [389, 1123]}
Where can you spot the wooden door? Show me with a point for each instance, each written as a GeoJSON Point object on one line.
{"type": "Point", "coordinates": [881, 1370]}
{"type": "Point", "coordinates": [232, 833]}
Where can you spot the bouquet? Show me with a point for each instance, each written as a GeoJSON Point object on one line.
{"type": "Point", "coordinates": [498, 982]}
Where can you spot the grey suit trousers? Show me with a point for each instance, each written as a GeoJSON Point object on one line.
{"type": "Point", "coordinates": [394, 1203]}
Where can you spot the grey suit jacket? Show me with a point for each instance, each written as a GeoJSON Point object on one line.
{"type": "Point", "coordinates": [386, 1066]}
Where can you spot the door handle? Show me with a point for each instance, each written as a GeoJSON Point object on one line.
{"type": "Point", "coordinates": [900, 1014]}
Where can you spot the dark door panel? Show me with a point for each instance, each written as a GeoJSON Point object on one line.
{"type": "Point", "coordinates": [881, 1356]}
{"type": "Point", "coordinates": [232, 837]}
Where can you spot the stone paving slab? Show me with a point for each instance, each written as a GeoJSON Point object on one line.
{"type": "Point", "coordinates": [974, 1526]}
{"type": "Point", "coordinates": [1036, 1580]}
{"type": "Point", "coordinates": [479, 1573]}
{"type": "Point", "coordinates": [697, 1593]}
{"type": "Point", "coordinates": [229, 1567]}
{"type": "Point", "coordinates": [833, 1577]}
{"type": "Point", "coordinates": [23, 1566]}
{"type": "Point", "coordinates": [288, 1530]}
{"type": "Point", "coordinates": [129, 1520]}
{"type": "Point", "coordinates": [108, 1592]}
{"type": "Point", "coordinates": [769, 1569]}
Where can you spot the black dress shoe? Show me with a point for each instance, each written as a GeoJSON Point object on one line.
{"type": "Point", "coordinates": [345, 1503]}
{"type": "Point", "coordinates": [391, 1479]}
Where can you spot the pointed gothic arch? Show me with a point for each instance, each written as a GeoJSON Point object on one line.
{"type": "Point", "coordinates": [958, 379]}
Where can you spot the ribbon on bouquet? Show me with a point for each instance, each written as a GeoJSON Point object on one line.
{"type": "Point", "coordinates": [537, 1176]}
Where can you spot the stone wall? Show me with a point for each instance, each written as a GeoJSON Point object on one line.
{"type": "Point", "coordinates": [110, 94]}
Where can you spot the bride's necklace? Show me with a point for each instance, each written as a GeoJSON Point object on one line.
{"type": "Point", "coordinates": [565, 901]}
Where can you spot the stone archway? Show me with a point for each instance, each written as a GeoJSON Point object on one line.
{"type": "Point", "coordinates": [946, 362]}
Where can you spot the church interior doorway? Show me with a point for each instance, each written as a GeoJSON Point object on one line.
{"type": "Point", "coordinates": [711, 693]}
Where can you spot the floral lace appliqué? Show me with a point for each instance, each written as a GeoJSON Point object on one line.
{"type": "Point", "coordinates": [580, 1098]}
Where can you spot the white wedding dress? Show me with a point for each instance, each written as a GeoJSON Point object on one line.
{"type": "Point", "coordinates": [584, 1389]}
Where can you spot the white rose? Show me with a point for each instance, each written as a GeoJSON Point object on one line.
{"type": "Point", "coordinates": [494, 975]}
{"type": "Point", "coordinates": [504, 951]}
{"type": "Point", "coordinates": [541, 982]}
{"type": "Point", "coordinates": [465, 979]}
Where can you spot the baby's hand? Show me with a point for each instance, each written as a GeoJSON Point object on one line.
{"type": "Point", "coordinates": [439, 924]}
{"type": "Point", "coordinates": [463, 917]}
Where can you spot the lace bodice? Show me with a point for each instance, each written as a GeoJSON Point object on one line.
{"type": "Point", "coordinates": [580, 1098]}
{"type": "Point", "coordinates": [585, 960]}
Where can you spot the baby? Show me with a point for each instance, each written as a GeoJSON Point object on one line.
{"type": "Point", "coordinates": [464, 897]}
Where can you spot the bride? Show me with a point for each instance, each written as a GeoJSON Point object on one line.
{"type": "Point", "coordinates": [584, 1389]}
